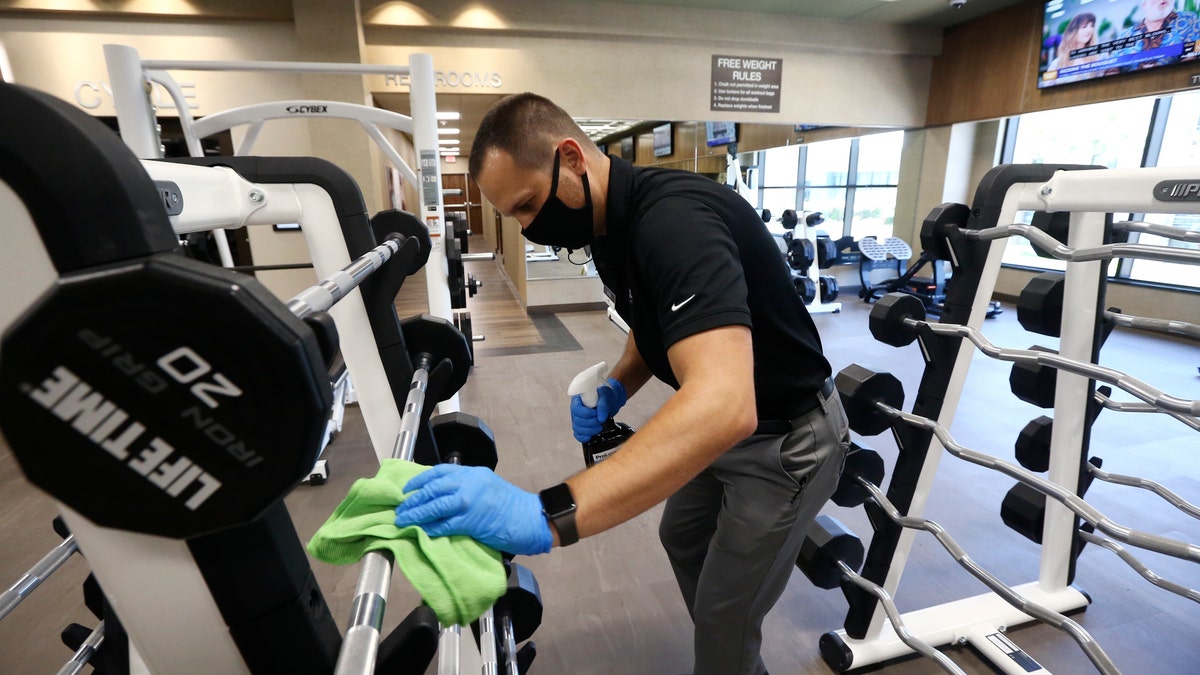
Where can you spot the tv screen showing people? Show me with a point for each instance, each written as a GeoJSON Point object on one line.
{"type": "Point", "coordinates": [720, 133]}
{"type": "Point", "coordinates": [1085, 39]}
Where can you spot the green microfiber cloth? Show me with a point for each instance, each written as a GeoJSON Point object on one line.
{"type": "Point", "coordinates": [458, 577]}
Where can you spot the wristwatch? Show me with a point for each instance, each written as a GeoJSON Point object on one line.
{"type": "Point", "coordinates": [559, 506]}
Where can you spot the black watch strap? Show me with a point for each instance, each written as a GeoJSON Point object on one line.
{"type": "Point", "coordinates": [559, 506]}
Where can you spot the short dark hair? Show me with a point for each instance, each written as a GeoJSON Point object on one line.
{"type": "Point", "coordinates": [525, 126]}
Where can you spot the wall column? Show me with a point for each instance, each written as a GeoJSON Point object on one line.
{"type": "Point", "coordinates": [332, 32]}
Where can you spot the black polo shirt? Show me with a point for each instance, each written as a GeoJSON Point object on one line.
{"type": "Point", "coordinates": [684, 254]}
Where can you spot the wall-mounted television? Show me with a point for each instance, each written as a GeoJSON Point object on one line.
{"type": "Point", "coordinates": [663, 140]}
{"type": "Point", "coordinates": [627, 151]}
{"type": "Point", "coordinates": [1089, 39]}
{"type": "Point", "coordinates": [720, 133]}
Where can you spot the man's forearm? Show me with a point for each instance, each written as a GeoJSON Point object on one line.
{"type": "Point", "coordinates": [631, 371]}
{"type": "Point", "coordinates": [713, 410]}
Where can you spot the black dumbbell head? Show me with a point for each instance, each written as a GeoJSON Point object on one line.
{"type": "Point", "coordinates": [522, 601]}
{"type": "Point", "coordinates": [466, 436]}
{"type": "Point", "coordinates": [789, 219]}
{"type": "Point", "coordinates": [828, 542]}
{"type": "Point", "coordinates": [1040, 306]}
{"type": "Point", "coordinates": [439, 339]}
{"type": "Point", "coordinates": [860, 463]}
{"type": "Point", "coordinates": [1033, 444]}
{"type": "Point", "coordinates": [1034, 383]}
{"type": "Point", "coordinates": [1024, 511]}
{"type": "Point", "coordinates": [805, 288]}
{"type": "Point", "coordinates": [407, 224]}
{"type": "Point", "coordinates": [860, 389]}
{"type": "Point", "coordinates": [887, 321]}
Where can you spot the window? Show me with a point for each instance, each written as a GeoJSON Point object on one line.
{"type": "Point", "coordinates": [781, 168]}
{"type": "Point", "coordinates": [851, 181]}
{"type": "Point", "coordinates": [1107, 134]}
{"type": "Point", "coordinates": [1180, 147]}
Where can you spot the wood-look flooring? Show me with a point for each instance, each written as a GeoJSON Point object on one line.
{"type": "Point", "coordinates": [611, 605]}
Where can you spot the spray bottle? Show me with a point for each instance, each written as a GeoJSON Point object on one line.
{"type": "Point", "coordinates": [614, 433]}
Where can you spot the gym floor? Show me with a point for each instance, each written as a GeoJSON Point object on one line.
{"type": "Point", "coordinates": [611, 605]}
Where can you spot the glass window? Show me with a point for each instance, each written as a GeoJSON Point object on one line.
{"type": "Point", "coordinates": [879, 160]}
{"type": "Point", "coordinates": [828, 164]}
{"type": "Point", "coordinates": [780, 166]}
{"type": "Point", "coordinates": [831, 202]}
{"type": "Point", "coordinates": [1180, 147]}
{"type": "Point", "coordinates": [1109, 134]}
{"type": "Point", "coordinates": [874, 212]}
{"type": "Point", "coordinates": [779, 200]}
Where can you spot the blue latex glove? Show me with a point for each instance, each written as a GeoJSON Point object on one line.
{"type": "Point", "coordinates": [473, 501]}
{"type": "Point", "coordinates": [587, 422]}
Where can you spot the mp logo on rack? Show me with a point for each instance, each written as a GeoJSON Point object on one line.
{"type": "Point", "coordinates": [307, 109]}
{"type": "Point", "coordinates": [1178, 191]}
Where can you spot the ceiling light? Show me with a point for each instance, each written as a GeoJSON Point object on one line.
{"type": "Point", "coordinates": [447, 131]}
{"type": "Point", "coordinates": [448, 116]}
{"type": "Point", "coordinates": [447, 141]}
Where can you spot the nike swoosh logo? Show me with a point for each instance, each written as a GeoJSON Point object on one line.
{"type": "Point", "coordinates": [675, 308]}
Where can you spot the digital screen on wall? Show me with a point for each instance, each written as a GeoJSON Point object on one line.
{"type": "Point", "coordinates": [1090, 39]}
{"type": "Point", "coordinates": [627, 148]}
{"type": "Point", "coordinates": [720, 133]}
{"type": "Point", "coordinates": [662, 140]}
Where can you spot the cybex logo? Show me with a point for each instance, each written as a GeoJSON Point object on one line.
{"type": "Point", "coordinates": [306, 109]}
{"type": "Point", "coordinates": [1178, 191]}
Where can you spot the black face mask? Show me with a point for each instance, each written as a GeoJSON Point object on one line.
{"type": "Point", "coordinates": [557, 224]}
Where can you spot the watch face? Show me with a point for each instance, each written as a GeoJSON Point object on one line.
{"type": "Point", "coordinates": [557, 500]}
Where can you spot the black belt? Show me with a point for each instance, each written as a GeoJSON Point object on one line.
{"type": "Point", "coordinates": [778, 427]}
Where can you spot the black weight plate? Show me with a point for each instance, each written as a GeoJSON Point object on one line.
{"type": "Point", "coordinates": [405, 223]}
{"type": "Point", "coordinates": [163, 396]}
{"type": "Point", "coordinates": [441, 340]}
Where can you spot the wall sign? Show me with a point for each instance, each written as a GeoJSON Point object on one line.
{"type": "Point", "coordinates": [746, 84]}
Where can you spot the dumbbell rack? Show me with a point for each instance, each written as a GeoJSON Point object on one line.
{"type": "Point", "coordinates": [797, 231]}
{"type": "Point", "coordinates": [976, 247]}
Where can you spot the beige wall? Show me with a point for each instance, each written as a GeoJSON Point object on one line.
{"type": "Point", "coordinates": [659, 58]}
{"type": "Point", "coordinates": [65, 57]}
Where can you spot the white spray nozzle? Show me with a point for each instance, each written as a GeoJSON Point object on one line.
{"type": "Point", "coordinates": [586, 383]}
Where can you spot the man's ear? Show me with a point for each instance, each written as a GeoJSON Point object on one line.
{"type": "Point", "coordinates": [571, 156]}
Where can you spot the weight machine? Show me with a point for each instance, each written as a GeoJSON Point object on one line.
{"type": "Point", "coordinates": [181, 516]}
{"type": "Point", "coordinates": [131, 78]}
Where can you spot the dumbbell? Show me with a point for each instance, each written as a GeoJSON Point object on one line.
{"type": "Point", "coordinates": [890, 317]}
{"type": "Point", "coordinates": [1032, 448]}
{"type": "Point", "coordinates": [828, 543]}
{"type": "Point", "coordinates": [829, 288]}
{"type": "Point", "coordinates": [861, 462]}
{"type": "Point", "coordinates": [860, 389]}
{"type": "Point", "coordinates": [1033, 382]}
{"type": "Point", "coordinates": [805, 288]}
{"type": "Point", "coordinates": [512, 620]}
{"type": "Point", "coordinates": [827, 252]}
{"type": "Point", "coordinates": [789, 219]}
{"type": "Point", "coordinates": [801, 253]}
{"type": "Point", "coordinates": [766, 215]}
{"type": "Point", "coordinates": [1023, 508]}
{"type": "Point", "coordinates": [464, 439]}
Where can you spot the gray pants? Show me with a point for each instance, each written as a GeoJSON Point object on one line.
{"type": "Point", "coordinates": [734, 531]}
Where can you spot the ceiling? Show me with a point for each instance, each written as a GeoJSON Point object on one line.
{"type": "Point", "coordinates": [935, 13]}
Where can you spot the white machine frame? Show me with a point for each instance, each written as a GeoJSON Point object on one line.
{"type": "Point", "coordinates": [981, 620]}
{"type": "Point", "coordinates": [131, 77]}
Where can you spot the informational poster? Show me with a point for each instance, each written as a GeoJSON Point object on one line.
{"type": "Point", "coordinates": [746, 84]}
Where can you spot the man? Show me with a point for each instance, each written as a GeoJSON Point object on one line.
{"type": "Point", "coordinates": [1166, 35]}
{"type": "Point", "coordinates": [751, 444]}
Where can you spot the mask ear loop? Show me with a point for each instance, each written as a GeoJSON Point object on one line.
{"type": "Point", "coordinates": [554, 177]}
